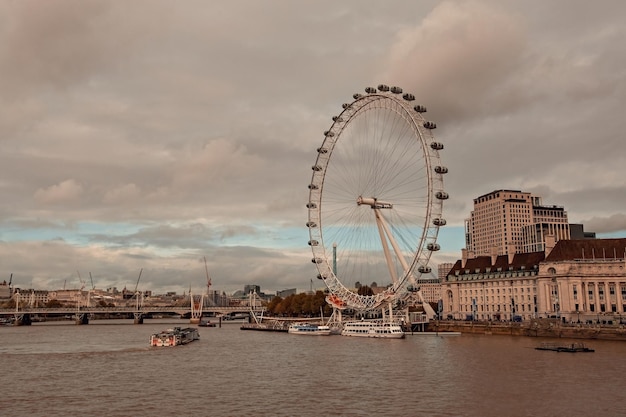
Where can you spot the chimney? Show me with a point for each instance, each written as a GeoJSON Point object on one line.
{"type": "Point", "coordinates": [463, 257]}
{"type": "Point", "coordinates": [494, 255]}
{"type": "Point", "coordinates": [510, 252]}
{"type": "Point", "coordinates": [550, 244]}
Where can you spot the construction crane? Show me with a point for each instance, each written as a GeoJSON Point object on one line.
{"type": "Point", "coordinates": [93, 287]}
{"type": "Point", "coordinates": [208, 279]}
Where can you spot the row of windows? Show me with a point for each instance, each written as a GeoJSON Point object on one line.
{"type": "Point", "coordinates": [497, 308]}
{"type": "Point", "coordinates": [504, 299]}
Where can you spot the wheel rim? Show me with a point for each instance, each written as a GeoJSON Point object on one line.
{"type": "Point", "coordinates": [378, 160]}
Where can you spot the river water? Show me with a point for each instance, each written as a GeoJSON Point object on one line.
{"type": "Point", "coordinates": [106, 368]}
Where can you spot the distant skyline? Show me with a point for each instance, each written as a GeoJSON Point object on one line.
{"type": "Point", "coordinates": [151, 134]}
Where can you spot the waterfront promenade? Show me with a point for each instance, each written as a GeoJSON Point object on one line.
{"type": "Point", "coordinates": [534, 328]}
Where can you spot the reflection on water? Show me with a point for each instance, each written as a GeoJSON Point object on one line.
{"type": "Point", "coordinates": [107, 368]}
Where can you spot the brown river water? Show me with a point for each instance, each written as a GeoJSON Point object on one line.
{"type": "Point", "coordinates": [106, 368]}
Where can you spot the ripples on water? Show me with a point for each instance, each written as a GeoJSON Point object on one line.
{"type": "Point", "coordinates": [107, 369]}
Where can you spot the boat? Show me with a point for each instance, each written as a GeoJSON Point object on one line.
{"type": "Point", "coordinates": [572, 347]}
{"type": "Point", "coordinates": [174, 336]}
{"type": "Point", "coordinates": [267, 326]}
{"type": "Point", "coordinates": [206, 323]}
{"type": "Point", "coordinates": [309, 329]}
{"type": "Point", "coordinates": [382, 330]}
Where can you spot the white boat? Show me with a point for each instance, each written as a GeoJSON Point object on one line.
{"type": "Point", "coordinates": [363, 328]}
{"type": "Point", "coordinates": [174, 337]}
{"type": "Point", "coordinates": [309, 329]}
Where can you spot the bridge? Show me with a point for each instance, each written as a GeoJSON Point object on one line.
{"type": "Point", "coordinates": [81, 313]}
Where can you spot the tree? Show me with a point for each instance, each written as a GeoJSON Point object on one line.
{"type": "Point", "coordinates": [273, 304]}
{"type": "Point", "coordinates": [365, 290]}
{"type": "Point", "coordinates": [54, 303]}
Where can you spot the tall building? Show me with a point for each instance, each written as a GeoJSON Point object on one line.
{"type": "Point", "coordinates": [512, 221]}
{"type": "Point", "coordinates": [443, 269]}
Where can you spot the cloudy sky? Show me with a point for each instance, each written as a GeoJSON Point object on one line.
{"type": "Point", "coordinates": [149, 135]}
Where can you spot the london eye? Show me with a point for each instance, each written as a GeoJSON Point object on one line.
{"type": "Point", "coordinates": [376, 198]}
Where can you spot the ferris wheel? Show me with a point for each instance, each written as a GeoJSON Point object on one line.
{"type": "Point", "coordinates": [376, 199]}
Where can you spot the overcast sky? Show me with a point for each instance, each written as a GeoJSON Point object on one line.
{"type": "Point", "coordinates": [148, 135]}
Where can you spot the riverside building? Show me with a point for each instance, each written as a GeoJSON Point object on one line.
{"type": "Point", "coordinates": [523, 260]}
{"type": "Point", "coordinates": [572, 280]}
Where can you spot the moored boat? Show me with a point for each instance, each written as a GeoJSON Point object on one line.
{"type": "Point", "coordinates": [571, 348]}
{"type": "Point", "coordinates": [382, 330]}
{"type": "Point", "coordinates": [174, 337]}
{"type": "Point", "coordinates": [309, 329]}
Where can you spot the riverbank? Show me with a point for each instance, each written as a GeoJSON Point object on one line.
{"type": "Point", "coordinates": [534, 328]}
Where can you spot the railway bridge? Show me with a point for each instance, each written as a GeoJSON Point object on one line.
{"type": "Point", "coordinates": [81, 315]}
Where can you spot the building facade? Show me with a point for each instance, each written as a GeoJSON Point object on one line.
{"type": "Point", "coordinates": [512, 221]}
{"type": "Point", "coordinates": [572, 280]}
{"type": "Point", "coordinates": [584, 280]}
{"type": "Point", "coordinates": [430, 289]}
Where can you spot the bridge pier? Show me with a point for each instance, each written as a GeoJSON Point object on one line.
{"type": "Point", "coordinates": [81, 318]}
{"type": "Point", "coordinates": [22, 320]}
{"type": "Point", "coordinates": [138, 318]}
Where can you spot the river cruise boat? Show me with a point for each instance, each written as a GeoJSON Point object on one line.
{"type": "Point", "coordinates": [174, 337]}
{"type": "Point", "coordinates": [372, 329]}
{"type": "Point", "coordinates": [309, 329]}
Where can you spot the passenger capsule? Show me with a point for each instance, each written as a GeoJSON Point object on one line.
{"type": "Point", "coordinates": [396, 90]}
{"type": "Point", "coordinates": [430, 125]}
{"type": "Point", "coordinates": [316, 168]}
{"type": "Point", "coordinates": [383, 88]}
{"type": "Point", "coordinates": [311, 224]}
{"type": "Point", "coordinates": [441, 170]}
{"type": "Point", "coordinates": [439, 222]}
{"type": "Point", "coordinates": [433, 247]}
{"type": "Point", "coordinates": [313, 187]}
{"type": "Point", "coordinates": [420, 109]}
{"type": "Point", "coordinates": [320, 276]}
{"type": "Point", "coordinates": [424, 269]}
{"type": "Point", "coordinates": [337, 119]}
{"type": "Point", "coordinates": [322, 150]}
{"type": "Point", "coordinates": [313, 243]}
{"type": "Point", "coordinates": [316, 260]}
{"type": "Point", "coordinates": [370, 90]}
{"type": "Point", "coordinates": [357, 96]}
{"type": "Point", "coordinates": [311, 205]}
{"type": "Point", "coordinates": [345, 105]}
{"type": "Point", "coordinates": [436, 146]}
{"type": "Point", "coordinates": [441, 195]}
{"type": "Point", "coordinates": [408, 97]}
{"type": "Point", "coordinates": [328, 133]}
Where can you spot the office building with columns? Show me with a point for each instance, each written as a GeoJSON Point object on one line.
{"type": "Point", "coordinates": [572, 280]}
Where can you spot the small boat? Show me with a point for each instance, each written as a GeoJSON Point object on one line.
{"type": "Point", "coordinates": [382, 330]}
{"type": "Point", "coordinates": [572, 347]}
{"type": "Point", "coordinates": [174, 337]}
{"type": "Point", "coordinates": [206, 323]}
{"type": "Point", "coordinates": [309, 329]}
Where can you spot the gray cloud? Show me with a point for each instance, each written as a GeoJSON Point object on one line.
{"type": "Point", "coordinates": [152, 134]}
